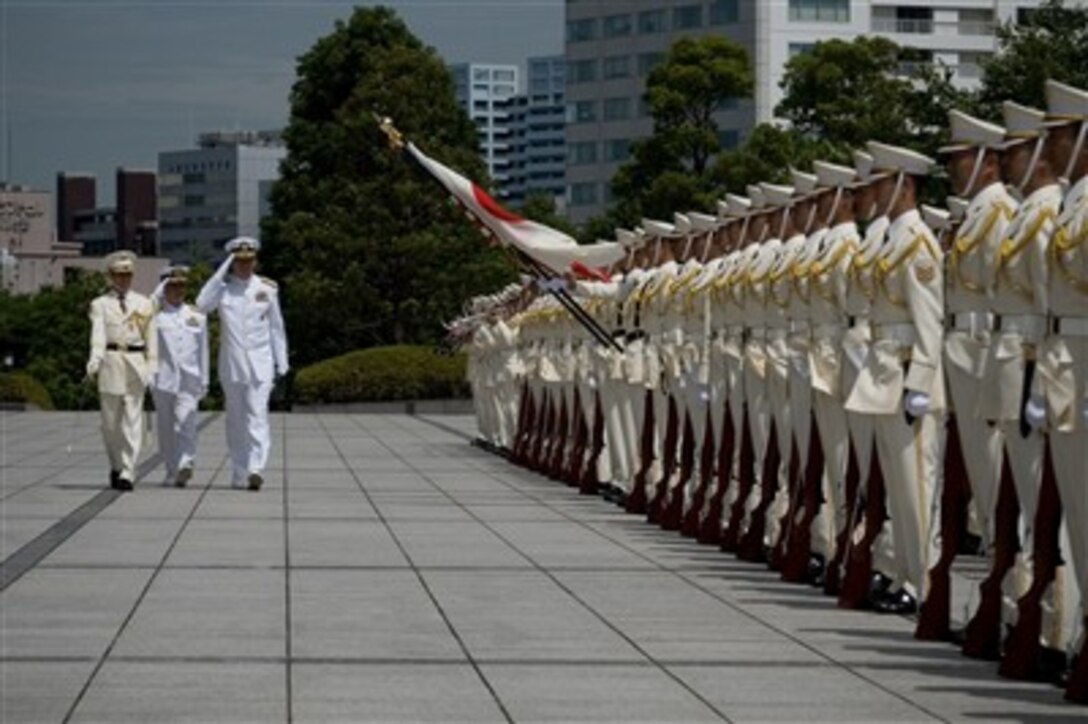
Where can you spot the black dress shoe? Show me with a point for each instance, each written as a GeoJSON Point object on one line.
{"type": "Point", "coordinates": [957, 636]}
{"type": "Point", "coordinates": [114, 477]}
{"type": "Point", "coordinates": [123, 485]}
{"type": "Point", "coordinates": [879, 586]}
{"type": "Point", "coordinates": [900, 602]}
{"type": "Point", "coordinates": [255, 481]}
{"type": "Point", "coordinates": [816, 568]}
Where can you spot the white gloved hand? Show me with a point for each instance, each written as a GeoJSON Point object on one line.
{"type": "Point", "coordinates": [916, 403]}
{"type": "Point", "coordinates": [224, 268]}
{"type": "Point", "coordinates": [160, 290]}
{"type": "Point", "coordinates": [1035, 411]}
{"type": "Point", "coordinates": [704, 394]}
{"type": "Point", "coordinates": [92, 366]}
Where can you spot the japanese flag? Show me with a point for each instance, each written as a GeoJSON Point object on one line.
{"type": "Point", "coordinates": [551, 248]}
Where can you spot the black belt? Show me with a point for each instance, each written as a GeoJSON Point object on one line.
{"type": "Point", "coordinates": [619, 333]}
{"type": "Point", "coordinates": [125, 348]}
{"type": "Point", "coordinates": [635, 334]}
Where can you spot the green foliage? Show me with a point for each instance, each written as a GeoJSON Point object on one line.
{"type": "Point", "coordinates": [1053, 43]}
{"type": "Point", "coordinates": [366, 250]}
{"type": "Point", "coordinates": [669, 171]}
{"type": "Point", "coordinates": [381, 374]}
{"type": "Point", "coordinates": [767, 156]}
{"type": "Point", "coordinates": [21, 387]}
{"type": "Point", "coordinates": [850, 92]}
{"type": "Point", "coordinates": [540, 207]}
{"type": "Point", "coordinates": [46, 336]}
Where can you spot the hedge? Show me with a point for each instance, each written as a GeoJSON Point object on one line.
{"type": "Point", "coordinates": [22, 388]}
{"type": "Point", "coordinates": [380, 374]}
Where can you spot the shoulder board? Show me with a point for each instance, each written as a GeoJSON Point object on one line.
{"type": "Point", "coordinates": [269, 282]}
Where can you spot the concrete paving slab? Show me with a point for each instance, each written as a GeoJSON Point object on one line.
{"type": "Point", "coordinates": [117, 542]}
{"type": "Point", "coordinates": [453, 543]}
{"type": "Point", "coordinates": [32, 692]}
{"type": "Point", "coordinates": [523, 616]}
{"type": "Point", "coordinates": [209, 613]}
{"type": "Point", "coordinates": [391, 693]}
{"type": "Point", "coordinates": [227, 542]}
{"type": "Point", "coordinates": [196, 692]}
{"type": "Point", "coordinates": [343, 543]}
{"type": "Point", "coordinates": [49, 613]}
{"type": "Point", "coordinates": [367, 615]}
{"type": "Point", "coordinates": [597, 693]}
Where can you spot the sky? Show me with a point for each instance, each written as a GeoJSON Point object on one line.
{"type": "Point", "coordinates": [90, 85]}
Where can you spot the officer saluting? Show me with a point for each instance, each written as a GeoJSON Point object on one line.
{"type": "Point", "coordinates": [181, 379]}
{"type": "Point", "coordinates": [252, 352]}
{"type": "Point", "coordinates": [123, 356]}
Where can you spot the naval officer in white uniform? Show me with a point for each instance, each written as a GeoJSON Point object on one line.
{"type": "Point", "coordinates": [252, 353]}
{"type": "Point", "coordinates": [181, 380]}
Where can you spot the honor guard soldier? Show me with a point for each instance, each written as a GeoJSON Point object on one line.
{"type": "Point", "coordinates": [1063, 364]}
{"type": "Point", "coordinates": [252, 353]}
{"type": "Point", "coordinates": [181, 378]}
{"type": "Point", "coordinates": [123, 358]}
{"type": "Point", "coordinates": [900, 383]}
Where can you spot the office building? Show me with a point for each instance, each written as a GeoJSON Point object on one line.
{"type": "Point", "coordinates": [486, 92]}
{"type": "Point", "coordinates": [75, 194]}
{"type": "Point", "coordinates": [538, 155]}
{"type": "Point", "coordinates": [611, 45]}
{"type": "Point", "coordinates": [212, 193]}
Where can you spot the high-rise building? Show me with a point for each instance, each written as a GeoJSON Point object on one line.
{"type": "Point", "coordinates": [538, 157]}
{"type": "Point", "coordinates": [136, 210]}
{"type": "Point", "coordinates": [486, 92]}
{"type": "Point", "coordinates": [212, 193]}
{"type": "Point", "coordinates": [611, 45]}
{"type": "Point", "coordinates": [75, 194]}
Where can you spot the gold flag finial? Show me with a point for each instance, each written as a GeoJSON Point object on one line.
{"type": "Point", "coordinates": [396, 140]}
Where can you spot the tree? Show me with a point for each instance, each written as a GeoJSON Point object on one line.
{"type": "Point", "coordinates": [850, 92]}
{"type": "Point", "coordinates": [768, 154]}
{"type": "Point", "coordinates": [368, 251]}
{"type": "Point", "coordinates": [1052, 43]}
{"type": "Point", "coordinates": [668, 171]}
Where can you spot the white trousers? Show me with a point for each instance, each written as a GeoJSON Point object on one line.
{"type": "Point", "coordinates": [175, 420]}
{"type": "Point", "coordinates": [910, 456]}
{"type": "Point", "coordinates": [249, 437]}
{"type": "Point", "coordinates": [831, 422]}
{"type": "Point", "coordinates": [123, 431]}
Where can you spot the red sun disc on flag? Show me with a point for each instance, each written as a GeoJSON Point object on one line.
{"type": "Point", "coordinates": [492, 207]}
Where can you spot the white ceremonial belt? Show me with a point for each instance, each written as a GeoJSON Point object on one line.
{"type": "Point", "coordinates": [828, 329]}
{"type": "Point", "coordinates": [1070, 326]}
{"type": "Point", "coordinates": [972, 322]}
{"type": "Point", "coordinates": [777, 332]}
{"type": "Point", "coordinates": [1026, 325]}
{"type": "Point", "coordinates": [902, 332]}
{"type": "Point", "coordinates": [857, 320]}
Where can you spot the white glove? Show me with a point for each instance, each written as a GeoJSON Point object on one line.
{"type": "Point", "coordinates": [916, 403]}
{"type": "Point", "coordinates": [160, 290]}
{"type": "Point", "coordinates": [224, 268]}
{"type": "Point", "coordinates": [92, 366]}
{"type": "Point", "coordinates": [1035, 411]}
{"type": "Point", "coordinates": [704, 394]}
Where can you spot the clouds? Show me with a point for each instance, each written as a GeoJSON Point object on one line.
{"type": "Point", "coordinates": [92, 84]}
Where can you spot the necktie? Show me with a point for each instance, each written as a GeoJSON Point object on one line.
{"type": "Point", "coordinates": [121, 300]}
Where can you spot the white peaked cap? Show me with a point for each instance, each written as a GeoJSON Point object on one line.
{"type": "Point", "coordinates": [803, 183]}
{"type": "Point", "coordinates": [1022, 123]}
{"type": "Point", "coordinates": [681, 223]}
{"type": "Point", "coordinates": [896, 159]}
{"type": "Point", "coordinates": [738, 205]}
{"type": "Point", "coordinates": [969, 132]}
{"type": "Point", "coordinates": [935, 218]}
{"type": "Point", "coordinates": [863, 164]}
{"type": "Point", "coordinates": [722, 208]}
{"type": "Point", "coordinates": [703, 222]}
{"type": "Point", "coordinates": [1066, 103]}
{"type": "Point", "coordinates": [957, 206]}
{"type": "Point", "coordinates": [832, 175]}
{"type": "Point", "coordinates": [658, 229]}
{"type": "Point", "coordinates": [755, 195]}
{"type": "Point", "coordinates": [629, 239]}
{"type": "Point", "coordinates": [776, 195]}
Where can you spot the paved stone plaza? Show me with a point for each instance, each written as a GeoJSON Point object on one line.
{"type": "Point", "coordinates": [391, 572]}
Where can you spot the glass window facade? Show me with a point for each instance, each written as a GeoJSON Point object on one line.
{"type": "Point", "coordinates": [820, 11]}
